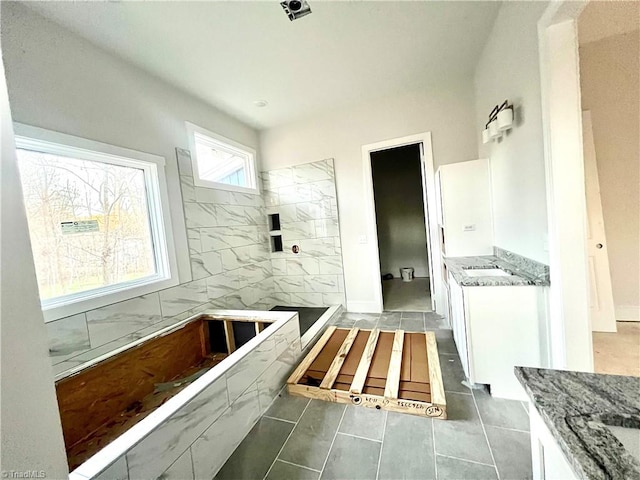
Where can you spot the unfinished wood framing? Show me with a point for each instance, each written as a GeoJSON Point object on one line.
{"type": "Point", "coordinates": [103, 401]}
{"type": "Point", "coordinates": [437, 388]}
{"type": "Point", "coordinates": [392, 386]}
{"type": "Point", "coordinates": [330, 378]}
{"type": "Point", "coordinates": [229, 336]}
{"type": "Point", "coordinates": [397, 371]}
{"type": "Point", "coordinates": [365, 362]}
{"type": "Point", "coordinates": [311, 356]}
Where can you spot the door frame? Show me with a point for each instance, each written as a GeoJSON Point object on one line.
{"type": "Point", "coordinates": [569, 320]}
{"type": "Point", "coordinates": [429, 204]}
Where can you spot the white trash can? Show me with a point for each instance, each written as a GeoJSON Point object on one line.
{"type": "Point", "coordinates": [407, 274]}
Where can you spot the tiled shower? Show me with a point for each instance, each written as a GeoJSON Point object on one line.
{"type": "Point", "coordinates": [304, 198]}
{"type": "Point", "coordinates": [232, 263]}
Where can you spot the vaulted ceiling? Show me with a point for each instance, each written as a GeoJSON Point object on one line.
{"type": "Point", "coordinates": [231, 54]}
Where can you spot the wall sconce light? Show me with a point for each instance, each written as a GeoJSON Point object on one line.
{"type": "Point", "coordinates": [500, 120]}
{"type": "Point", "coordinates": [505, 119]}
{"type": "Point", "coordinates": [494, 131]}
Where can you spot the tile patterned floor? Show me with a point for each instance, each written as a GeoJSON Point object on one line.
{"type": "Point", "coordinates": [484, 437]}
{"type": "Point", "coordinates": [407, 296]}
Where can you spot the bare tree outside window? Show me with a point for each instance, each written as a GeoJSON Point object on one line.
{"type": "Point", "coordinates": [111, 199]}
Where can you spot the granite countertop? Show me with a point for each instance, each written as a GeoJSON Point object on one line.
{"type": "Point", "coordinates": [519, 276]}
{"type": "Point", "coordinates": [575, 405]}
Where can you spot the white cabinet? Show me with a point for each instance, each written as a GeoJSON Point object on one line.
{"type": "Point", "coordinates": [547, 459]}
{"type": "Point", "coordinates": [458, 322]}
{"type": "Point", "coordinates": [463, 196]}
{"type": "Point", "coordinates": [496, 329]}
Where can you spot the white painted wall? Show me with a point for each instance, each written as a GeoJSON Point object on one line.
{"type": "Point", "coordinates": [402, 237]}
{"type": "Point", "coordinates": [610, 83]}
{"type": "Point", "coordinates": [446, 110]}
{"type": "Point", "coordinates": [61, 82]}
{"type": "Point", "coordinates": [30, 433]}
{"type": "Point", "coordinates": [509, 69]}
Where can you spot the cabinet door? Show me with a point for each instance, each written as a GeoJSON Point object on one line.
{"type": "Point", "coordinates": [547, 459]}
{"type": "Point", "coordinates": [458, 323]}
{"type": "Point", "coordinates": [465, 203]}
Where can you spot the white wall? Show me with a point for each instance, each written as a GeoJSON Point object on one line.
{"type": "Point", "coordinates": [509, 69]}
{"type": "Point", "coordinates": [62, 82]}
{"type": "Point", "coordinates": [445, 110]}
{"type": "Point", "coordinates": [31, 434]}
{"type": "Point", "coordinates": [610, 83]}
{"type": "Point", "coordinates": [402, 237]}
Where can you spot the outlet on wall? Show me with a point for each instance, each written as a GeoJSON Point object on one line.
{"type": "Point", "coordinates": [362, 239]}
{"type": "Point", "coordinates": [469, 228]}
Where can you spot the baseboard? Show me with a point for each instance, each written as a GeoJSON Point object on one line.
{"type": "Point", "coordinates": [628, 313]}
{"type": "Point", "coordinates": [363, 307]}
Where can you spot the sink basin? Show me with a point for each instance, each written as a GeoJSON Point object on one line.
{"type": "Point", "coordinates": [629, 437]}
{"type": "Point", "coordinates": [486, 272]}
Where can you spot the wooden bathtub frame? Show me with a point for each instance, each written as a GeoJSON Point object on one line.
{"type": "Point", "coordinates": [219, 408]}
{"type": "Point", "coordinates": [99, 388]}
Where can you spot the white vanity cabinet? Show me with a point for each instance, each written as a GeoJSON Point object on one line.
{"type": "Point", "coordinates": [547, 459]}
{"type": "Point", "coordinates": [458, 322]}
{"type": "Point", "coordinates": [496, 328]}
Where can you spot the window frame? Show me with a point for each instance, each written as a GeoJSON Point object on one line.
{"type": "Point", "coordinates": [228, 144]}
{"type": "Point", "coordinates": [38, 139]}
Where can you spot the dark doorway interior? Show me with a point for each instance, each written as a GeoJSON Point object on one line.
{"type": "Point", "coordinates": [402, 235]}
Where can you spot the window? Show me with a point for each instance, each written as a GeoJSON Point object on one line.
{"type": "Point", "coordinates": [98, 221]}
{"type": "Point", "coordinates": [221, 163]}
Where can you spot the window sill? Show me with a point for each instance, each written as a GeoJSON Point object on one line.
{"type": "Point", "coordinates": [223, 186]}
{"type": "Point", "coordinates": [99, 300]}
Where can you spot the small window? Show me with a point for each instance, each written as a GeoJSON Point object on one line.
{"type": "Point", "coordinates": [96, 220]}
{"type": "Point", "coordinates": [221, 163]}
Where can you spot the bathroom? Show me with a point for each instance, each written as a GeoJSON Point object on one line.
{"type": "Point", "coordinates": [301, 229]}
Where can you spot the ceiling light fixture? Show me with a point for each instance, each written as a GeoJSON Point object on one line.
{"type": "Point", "coordinates": [260, 103]}
{"type": "Point", "coordinates": [295, 8]}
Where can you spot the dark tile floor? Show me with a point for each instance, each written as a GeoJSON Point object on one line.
{"type": "Point", "coordinates": [484, 438]}
{"type": "Point", "coordinates": [306, 315]}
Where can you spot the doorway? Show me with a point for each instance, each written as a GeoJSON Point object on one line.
{"type": "Point", "coordinates": [609, 66]}
{"type": "Point", "coordinates": [571, 298]}
{"type": "Point", "coordinates": [426, 176]}
{"type": "Point", "coordinates": [402, 233]}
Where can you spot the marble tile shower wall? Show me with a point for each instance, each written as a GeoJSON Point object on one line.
{"type": "Point", "coordinates": [305, 197]}
{"type": "Point", "coordinates": [231, 268]}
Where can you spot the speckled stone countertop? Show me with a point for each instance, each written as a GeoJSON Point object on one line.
{"type": "Point", "coordinates": [574, 406]}
{"type": "Point", "coordinates": [520, 275]}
